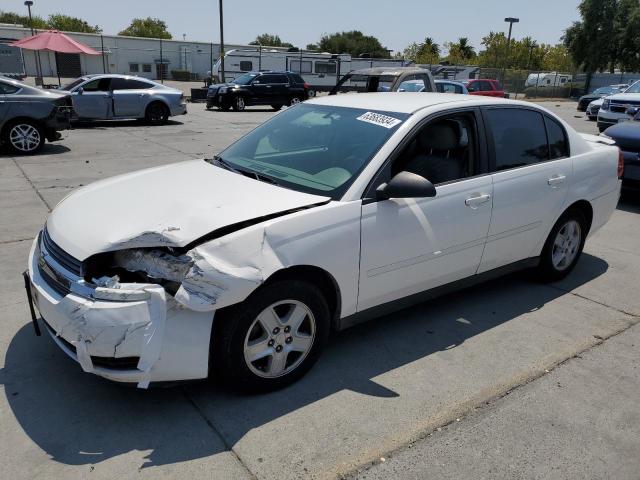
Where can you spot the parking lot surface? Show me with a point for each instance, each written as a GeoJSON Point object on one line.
{"type": "Point", "coordinates": [379, 387]}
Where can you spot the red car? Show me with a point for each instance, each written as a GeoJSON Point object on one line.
{"type": "Point", "coordinates": [489, 88]}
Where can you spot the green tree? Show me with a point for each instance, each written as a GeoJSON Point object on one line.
{"type": "Point", "coordinates": [427, 52]}
{"type": "Point", "coordinates": [147, 27]}
{"type": "Point", "coordinates": [593, 42]}
{"type": "Point", "coordinates": [354, 43]}
{"type": "Point", "coordinates": [269, 40]}
{"type": "Point", "coordinates": [313, 46]}
{"type": "Point", "coordinates": [14, 18]}
{"type": "Point", "coordinates": [66, 23]}
{"type": "Point", "coordinates": [460, 52]}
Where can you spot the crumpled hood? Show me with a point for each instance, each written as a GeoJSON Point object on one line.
{"type": "Point", "coordinates": [172, 205]}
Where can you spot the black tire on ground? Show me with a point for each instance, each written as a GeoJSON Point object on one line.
{"type": "Point", "coordinates": [23, 137]}
{"type": "Point", "coordinates": [276, 107]}
{"type": "Point", "coordinates": [294, 101]}
{"type": "Point", "coordinates": [547, 271]}
{"type": "Point", "coordinates": [231, 330]}
{"type": "Point", "coordinates": [592, 118]}
{"type": "Point", "coordinates": [239, 103]}
{"type": "Point", "coordinates": [157, 113]}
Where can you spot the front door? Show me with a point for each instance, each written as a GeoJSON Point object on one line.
{"type": "Point", "coordinates": [93, 99]}
{"type": "Point", "coordinates": [531, 174]}
{"type": "Point", "coordinates": [411, 245]}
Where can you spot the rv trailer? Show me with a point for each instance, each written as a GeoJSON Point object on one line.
{"type": "Point", "coordinates": [320, 70]}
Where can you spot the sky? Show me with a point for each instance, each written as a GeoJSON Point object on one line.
{"type": "Point", "coordinates": [395, 23]}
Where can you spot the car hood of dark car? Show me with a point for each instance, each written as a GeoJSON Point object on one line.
{"type": "Point", "coordinates": [173, 205]}
{"type": "Point", "coordinates": [626, 135]}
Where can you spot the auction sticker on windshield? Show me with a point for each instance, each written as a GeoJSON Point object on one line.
{"type": "Point", "coordinates": [379, 119]}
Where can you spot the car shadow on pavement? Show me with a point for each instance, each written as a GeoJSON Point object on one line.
{"type": "Point", "coordinates": [79, 419]}
{"type": "Point", "coordinates": [105, 124]}
{"type": "Point", "coordinates": [630, 202]}
{"type": "Point", "coordinates": [47, 149]}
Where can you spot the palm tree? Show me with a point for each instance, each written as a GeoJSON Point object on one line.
{"type": "Point", "coordinates": [464, 49]}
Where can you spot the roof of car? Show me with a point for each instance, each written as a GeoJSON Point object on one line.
{"type": "Point", "coordinates": [387, 70]}
{"type": "Point", "coordinates": [402, 102]}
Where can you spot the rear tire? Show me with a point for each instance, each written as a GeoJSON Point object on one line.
{"type": "Point", "coordinates": [563, 247]}
{"type": "Point", "coordinates": [156, 113]}
{"type": "Point", "coordinates": [23, 137]}
{"type": "Point", "coordinates": [294, 101]}
{"type": "Point", "coordinates": [271, 339]}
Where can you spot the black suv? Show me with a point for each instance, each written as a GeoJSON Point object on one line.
{"type": "Point", "coordinates": [259, 88]}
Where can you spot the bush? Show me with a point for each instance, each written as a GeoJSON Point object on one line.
{"type": "Point", "coordinates": [182, 75]}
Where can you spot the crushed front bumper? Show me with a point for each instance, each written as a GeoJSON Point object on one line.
{"type": "Point", "coordinates": [135, 333]}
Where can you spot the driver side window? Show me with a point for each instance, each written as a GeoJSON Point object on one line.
{"type": "Point", "coordinates": [97, 85]}
{"type": "Point", "coordinates": [443, 151]}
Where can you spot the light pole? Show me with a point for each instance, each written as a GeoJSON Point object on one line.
{"type": "Point", "coordinates": [510, 21]}
{"type": "Point", "coordinates": [39, 81]}
{"type": "Point", "coordinates": [222, 75]}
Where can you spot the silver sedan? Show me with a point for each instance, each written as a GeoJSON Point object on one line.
{"type": "Point", "coordinates": [115, 97]}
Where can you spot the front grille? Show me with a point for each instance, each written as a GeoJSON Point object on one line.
{"type": "Point", "coordinates": [60, 256]}
{"type": "Point", "coordinates": [112, 363]}
{"type": "Point", "coordinates": [622, 106]}
{"type": "Point", "coordinates": [60, 285]}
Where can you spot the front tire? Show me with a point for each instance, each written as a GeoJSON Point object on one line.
{"type": "Point", "coordinates": [563, 247]}
{"type": "Point", "coordinates": [156, 113]}
{"type": "Point", "coordinates": [239, 104]}
{"type": "Point", "coordinates": [273, 338]}
{"type": "Point", "coordinates": [23, 137]}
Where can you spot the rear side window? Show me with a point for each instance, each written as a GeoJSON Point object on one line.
{"type": "Point", "coordinates": [558, 144]}
{"type": "Point", "coordinates": [296, 78]}
{"type": "Point", "coordinates": [8, 89]}
{"type": "Point", "coordinates": [519, 137]}
{"type": "Point", "coordinates": [128, 84]}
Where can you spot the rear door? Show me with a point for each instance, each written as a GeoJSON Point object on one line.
{"type": "Point", "coordinates": [261, 90]}
{"type": "Point", "coordinates": [130, 97]}
{"type": "Point", "coordinates": [531, 171]}
{"type": "Point", "coordinates": [93, 99]}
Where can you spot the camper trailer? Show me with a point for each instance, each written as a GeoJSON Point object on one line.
{"type": "Point", "coordinates": [320, 70]}
{"type": "Point", "coordinates": [551, 79]}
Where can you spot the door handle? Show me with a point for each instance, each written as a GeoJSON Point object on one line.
{"type": "Point", "coordinates": [476, 200]}
{"type": "Point", "coordinates": [268, 86]}
{"type": "Point", "coordinates": [556, 180]}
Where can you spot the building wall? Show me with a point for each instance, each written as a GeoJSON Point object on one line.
{"type": "Point", "coordinates": [120, 52]}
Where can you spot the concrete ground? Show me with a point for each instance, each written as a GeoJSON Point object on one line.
{"type": "Point", "coordinates": [378, 388]}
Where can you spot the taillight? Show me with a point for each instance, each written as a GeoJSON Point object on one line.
{"type": "Point", "coordinates": [620, 163]}
{"type": "Point", "coordinates": [306, 86]}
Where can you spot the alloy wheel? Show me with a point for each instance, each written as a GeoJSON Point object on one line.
{"type": "Point", "coordinates": [279, 339]}
{"type": "Point", "coordinates": [566, 245]}
{"type": "Point", "coordinates": [24, 137]}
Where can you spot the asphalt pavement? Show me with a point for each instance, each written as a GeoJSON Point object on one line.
{"type": "Point", "coordinates": [491, 356]}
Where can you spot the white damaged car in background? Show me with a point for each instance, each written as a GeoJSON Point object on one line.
{"type": "Point", "coordinates": [334, 211]}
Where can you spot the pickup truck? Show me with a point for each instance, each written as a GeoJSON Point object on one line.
{"type": "Point", "coordinates": [485, 87]}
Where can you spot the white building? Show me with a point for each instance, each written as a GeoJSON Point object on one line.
{"type": "Point", "coordinates": [145, 57]}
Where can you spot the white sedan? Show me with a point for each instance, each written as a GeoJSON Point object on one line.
{"type": "Point", "coordinates": [330, 213]}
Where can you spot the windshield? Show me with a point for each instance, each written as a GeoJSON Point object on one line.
{"type": "Point", "coordinates": [316, 149]}
{"type": "Point", "coordinates": [244, 79]}
{"type": "Point", "coordinates": [73, 84]}
{"type": "Point", "coordinates": [635, 88]}
{"type": "Point", "coordinates": [605, 90]}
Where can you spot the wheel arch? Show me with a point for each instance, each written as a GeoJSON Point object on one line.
{"type": "Point", "coordinates": [157, 100]}
{"type": "Point", "coordinates": [585, 208]}
{"type": "Point", "coordinates": [318, 277]}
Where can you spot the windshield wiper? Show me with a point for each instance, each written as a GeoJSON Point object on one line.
{"type": "Point", "coordinates": [219, 161]}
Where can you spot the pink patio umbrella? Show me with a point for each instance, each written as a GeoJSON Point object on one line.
{"type": "Point", "coordinates": [54, 41]}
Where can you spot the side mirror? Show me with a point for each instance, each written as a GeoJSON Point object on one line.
{"type": "Point", "coordinates": [80, 91]}
{"type": "Point", "coordinates": [406, 185]}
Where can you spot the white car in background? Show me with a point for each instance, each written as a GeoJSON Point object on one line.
{"type": "Point", "coordinates": [614, 107]}
{"type": "Point", "coordinates": [332, 212]}
{"type": "Point", "coordinates": [593, 108]}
